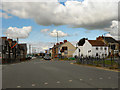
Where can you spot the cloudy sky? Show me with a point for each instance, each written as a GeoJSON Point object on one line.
{"type": "Point", "coordinates": [39, 22]}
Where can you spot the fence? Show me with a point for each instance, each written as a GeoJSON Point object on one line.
{"type": "Point", "coordinates": [102, 62]}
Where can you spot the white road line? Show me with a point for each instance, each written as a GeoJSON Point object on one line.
{"type": "Point", "coordinates": [45, 83]}
{"type": "Point", "coordinates": [58, 82]}
{"type": "Point", "coordinates": [70, 80]}
{"type": "Point", "coordinates": [33, 85]}
{"type": "Point", "coordinates": [101, 78]}
{"type": "Point", "coordinates": [109, 77]}
{"type": "Point", "coordinates": [18, 86]}
{"type": "Point", "coordinates": [81, 79]}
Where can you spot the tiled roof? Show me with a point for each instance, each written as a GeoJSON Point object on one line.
{"type": "Point", "coordinates": [110, 40]}
{"type": "Point", "coordinates": [96, 43]}
{"type": "Point", "coordinates": [58, 45]}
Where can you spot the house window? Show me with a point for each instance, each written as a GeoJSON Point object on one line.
{"type": "Point", "coordinates": [64, 48]}
{"type": "Point", "coordinates": [96, 54]}
{"type": "Point", "coordinates": [101, 48]}
{"type": "Point", "coordinates": [102, 54]}
{"type": "Point", "coordinates": [96, 48]}
{"type": "Point", "coordinates": [105, 48]}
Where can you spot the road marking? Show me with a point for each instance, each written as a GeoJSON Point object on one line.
{"type": "Point", "coordinates": [18, 86]}
{"type": "Point", "coordinates": [46, 83]}
{"type": "Point", "coordinates": [58, 82]}
{"type": "Point", "coordinates": [109, 77]}
{"type": "Point", "coordinates": [81, 79]}
{"type": "Point", "coordinates": [33, 85]}
{"type": "Point", "coordinates": [70, 80]}
{"type": "Point", "coordinates": [101, 78]}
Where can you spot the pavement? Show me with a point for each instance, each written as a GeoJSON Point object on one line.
{"type": "Point", "coordinates": [39, 73]}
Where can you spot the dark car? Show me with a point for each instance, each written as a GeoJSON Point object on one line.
{"type": "Point", "coordinates": [47, 57]}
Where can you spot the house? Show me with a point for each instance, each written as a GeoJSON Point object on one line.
{"type": "Point", "coordinates": [111, 43]}
{"type": "Point", "coordinates": [92, 48]}
{"type": "Point", "coordinates": [11, 51]}
{"type": "Point", "coordinates": [119, 46]}
{"type": "Point", "coordinates": [63, 49]}
{"type": "Point", "coordinates": [22, 49]}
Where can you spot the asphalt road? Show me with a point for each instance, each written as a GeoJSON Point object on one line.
{"type": "Point", "coordinates": [56, 74]}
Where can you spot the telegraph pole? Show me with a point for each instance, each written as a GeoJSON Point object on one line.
{"type": "Point", "coordinates": [57, 37]}
{"type": "Point", "coordinates": [30, 49]}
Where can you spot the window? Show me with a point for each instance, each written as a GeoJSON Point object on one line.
{"type": "Point", "coordinates": [96, 54]}
{"type": "Point", "coordinates": [105, 48]}
{"type": "Point", "coordinates": [101, 48]}
{"type": "Point", "coordinates": [96, 48]}
{"type": "Point", "coordinates": [64, 48]}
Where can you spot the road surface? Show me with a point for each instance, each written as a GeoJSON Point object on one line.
{"type": "Point", "coordinates": [39, 73]}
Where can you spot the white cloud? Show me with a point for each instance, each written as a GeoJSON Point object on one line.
{"type": "Point", "coordinates": [90, 14]}
{"type": "Point", "coordinates": [54, 33]}
{"type": "Point", "coordinates": [4, 15]}
{"type": "Point", "coordinates": [45, 30]}
{"type": "Point", "coordinates": [14, 32]}
{"type": "Point", "coordinates": [114, 30]}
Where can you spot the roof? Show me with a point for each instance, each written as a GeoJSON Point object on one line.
{"type": "Point", "coordinates": [119, 42]}
{"type": "Point", "coordinates": [110, 40]}
{"type": "Point", "coordinates": [96, 43]}
{"type": "Point", "coordinates": [58, 45]}
{"type": "Point", "coordinates": [81, 42]}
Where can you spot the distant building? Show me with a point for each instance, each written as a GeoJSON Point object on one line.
{"type": "Point", "coordinates": [63, 49]}
{"type": "Point", "coordinates": [92, 48]}
{"type": "Point", "coordinates": [11, 51]}
{"type": "Point", "coordinates": [22, 51]}
{"type": "Point", "coordinates": [111, 43]}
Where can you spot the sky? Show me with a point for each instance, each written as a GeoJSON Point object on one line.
{"type": "Point", "coordinates": [38, 23]}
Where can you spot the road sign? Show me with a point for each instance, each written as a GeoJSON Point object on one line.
{"type": "Point", "coordinates": [14, 45]}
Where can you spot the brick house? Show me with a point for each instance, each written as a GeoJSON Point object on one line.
{"type": "Point", "coordinates": [63, 49]}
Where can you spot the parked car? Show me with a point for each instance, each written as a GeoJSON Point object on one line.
{"type": "Point", "coordinates": [47, 57]}
{"type": "Point", "coordinates": [28, 57]}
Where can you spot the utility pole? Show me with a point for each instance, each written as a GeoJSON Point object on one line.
{"type": "Point", "coordinates": [57, 37]}
{"type": "Point", "coordinates": [30, 49]}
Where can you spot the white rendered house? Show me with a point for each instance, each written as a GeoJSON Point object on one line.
{"type": "Point", "coordinates": [93, 48]}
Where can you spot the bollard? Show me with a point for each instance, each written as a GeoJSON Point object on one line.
{"type": "Point", "coordinates": [103, 62]}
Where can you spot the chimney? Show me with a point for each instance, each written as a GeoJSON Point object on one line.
{"type": "Point", "coordinates": [9, 39]}
{"type": "Point", "coordinates": [57, 43]}
{"type": "Point", "coordinates": [61, 42]}
{"type": "Point", "coordinates": [86, 38]}
{"type": "Point", "coordinates": [65, 41]}
{"type": "Point", "coordinates": [102, 36]}
{"type": "Point", "coordinates": [4, 38]}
